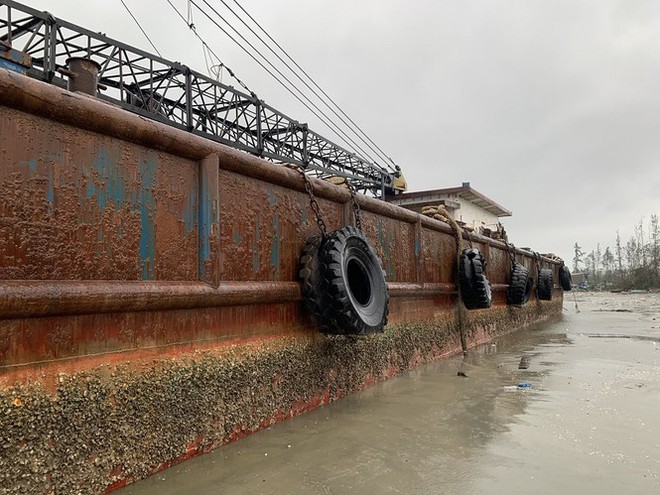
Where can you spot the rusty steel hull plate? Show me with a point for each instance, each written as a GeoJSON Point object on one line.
{"type": "Point", "coordinates": [133, 254]}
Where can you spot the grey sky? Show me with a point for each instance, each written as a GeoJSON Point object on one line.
{"type": "Point", "coordinates": [551, 108]}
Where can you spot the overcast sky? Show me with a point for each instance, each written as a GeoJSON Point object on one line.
{"type": "Point", "coordinates": [549, 107]}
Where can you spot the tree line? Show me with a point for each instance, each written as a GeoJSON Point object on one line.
{"type": "Point", "coordinates": [634, 264]}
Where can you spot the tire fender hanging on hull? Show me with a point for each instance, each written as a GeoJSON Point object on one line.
{"type": "Point", "coordinates": [474, 286]}
{"type": "Point", "coordinates": [565, 280]}
{"type": "Point", "coordinates": [343, 284]}
{"type": "Point", "coordinates": [545, 285]}
{"type": "Point", "coordinates": [520, 285]}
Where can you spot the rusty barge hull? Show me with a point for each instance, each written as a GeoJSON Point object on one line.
{"type": "Point", "coordinates": [149, 302]}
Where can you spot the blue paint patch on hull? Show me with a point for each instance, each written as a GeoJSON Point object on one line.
{"type": "Point", "coordinates": [107, 184]}
{"type": "Point", "coordinates": [205, 227]}
{"type": "Point", "coordinates": [9, 65]}
{"type": "Point", "coordinates": [50, 190]}
{"type": "Point", "coordinates": [272, 199]}
{"type": "Point", "coordinates": [147, 169]}
{"type": "Point", "coordinates": [190, 213]}
{"type": "Point", "coordinates": [275, 247]}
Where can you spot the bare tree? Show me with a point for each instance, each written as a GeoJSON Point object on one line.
{"type": "Point", "coordinates": [655, 246]}
{"type": "Point", "coordinates": [598, 257]}
{"type": "Point", "coordinates": [590, 265]}
{"type": "Point", "coordinates": [633, 265]}
{"type": "Point", "coordinates": [577, 259]}
{"type": "Point", "coordinates": [619, 258]}
{"type": "Point", "coordinates": [639, 241]}
{"type": "Point", "coordinates": [608, 263]}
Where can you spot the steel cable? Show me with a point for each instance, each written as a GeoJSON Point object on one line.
{"type": "Point", "coordinates": [328, 122]}
{"type": "Point", "coordinates": [352, 126]}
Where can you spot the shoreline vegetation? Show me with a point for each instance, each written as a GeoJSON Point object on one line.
{"type": "Point", "coordinates": [633, 265]}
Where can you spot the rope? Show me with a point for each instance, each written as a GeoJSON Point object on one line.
{"type": "Point", "coordinates": [512, 252]}
{"type": "Point", "coordinates": [440, 213]}
{"type": "Point", "coordinates": [191, 25]}
{"type": "Point", "coordinates": [537, 258]}
{"type": "Point", "coordinates": [577, 310]}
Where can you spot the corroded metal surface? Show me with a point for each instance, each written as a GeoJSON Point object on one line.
{"type": "Point", "coordinates": [14, 60]}
{"type": "Point", "coordinates": [115, 423]}
{"type": "Point", "coordinates": [83, 74]}
{"type": "Point", "coordinates": [135, 257]}
{"type": "Point", "coordinates": [80, 206]}
{"type": "Point", "coordinates": [395, 245]}
{"type": "Point", "coordinates": [264, 227]}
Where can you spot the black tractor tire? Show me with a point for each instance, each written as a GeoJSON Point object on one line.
{"type": "Point", "coordinates": [353, 284]}
{"type": "Point", "coordinates": [472, 281]}
{"type": "Point", "coordinates": [519, 286]}
{"type": "Point", "coordinates": [529, 288]}
{"type": "Point", "coordinates": [545, 285]}
{"type": "Point", "coordinates": [565, 280]}
{"type": "Point", "coordinates": [309, 272]}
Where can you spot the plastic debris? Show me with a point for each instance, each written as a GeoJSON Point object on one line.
{"type": "Point", "coordinates": [520, 386]}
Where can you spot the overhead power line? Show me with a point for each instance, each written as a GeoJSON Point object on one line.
{"type": "Point", "coordinates": [329, 122]}
{"type": "Point", "coordinates": [383, 154]}
{"type": "Point", "coordinates": [138, 25]}
{"type": "Point", "coordinates": [205, 46]}
{"type": "Point", "coordinates": [316, 110]}
{"type": "Point", "coordinates": [352, 126]}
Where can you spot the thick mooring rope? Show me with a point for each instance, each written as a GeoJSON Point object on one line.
{"type": "Point", "coordinates": [440, 213]}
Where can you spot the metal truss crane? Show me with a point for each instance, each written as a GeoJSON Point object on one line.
{"type": "Point", "coordinates": [174, 94]}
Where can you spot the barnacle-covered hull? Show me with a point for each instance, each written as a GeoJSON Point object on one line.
{"type": "Point", "coordinates": [150, 307]}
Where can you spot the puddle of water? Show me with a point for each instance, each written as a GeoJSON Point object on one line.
{"type": "Point", "coordinates": [588, 422]}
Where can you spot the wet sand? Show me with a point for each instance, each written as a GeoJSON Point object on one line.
{"type": "Point", "coordinates": [589, 423]}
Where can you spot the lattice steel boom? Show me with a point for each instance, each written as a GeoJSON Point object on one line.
{"type": "Point", "coordinates": [174, 94]}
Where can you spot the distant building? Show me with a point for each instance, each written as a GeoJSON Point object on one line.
{"type": "Point", "coordinates": [579, 280]}
{"type": "Point", "coordinates": [468, 206]}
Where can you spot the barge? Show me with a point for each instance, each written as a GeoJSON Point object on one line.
{"type": "Point", "coordinates": [151, 301]}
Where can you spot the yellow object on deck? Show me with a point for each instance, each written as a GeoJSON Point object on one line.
{"type": "Point", "coordinates": [400, 183]}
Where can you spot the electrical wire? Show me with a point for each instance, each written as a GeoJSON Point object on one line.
{"type": "Point", "coordinates": [138, 25]}
{"type": "Point", "coordinates": [221, 65]}
{"type": "Point", "coordinates": [369, 142]}
{"type": "Point", "coordinates": [329, 123]}
{"type": "Point", "coordinates": [207, 47]}
{"type": "Point", "coordinates": [383, 154]}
